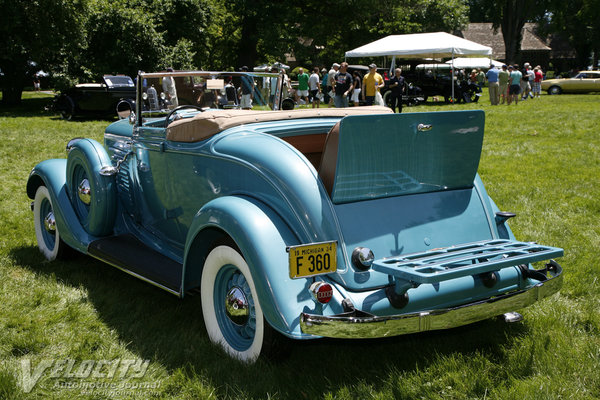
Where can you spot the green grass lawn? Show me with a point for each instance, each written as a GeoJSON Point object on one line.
{"type": "Point", "coordinates": [541, 159]}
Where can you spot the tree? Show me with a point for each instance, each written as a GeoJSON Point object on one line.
{"type": "Point", "coordinates": [42, 33]}
{"type": "Point", "coordinates": [356, 22]}
{"type": "Point", "coordinates": [510, 16]}
{"type": "Point", "coordinates": [579, 22]}
{"type": "Point", "coordinates": [121, 39]}
{"type": "Point", "coordinates": [259, 30]}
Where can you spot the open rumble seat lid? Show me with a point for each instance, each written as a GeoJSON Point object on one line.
{"type": "Point", "coordinates": [208, 123]}
{"type": "Point", "coordinates": [390, 155]}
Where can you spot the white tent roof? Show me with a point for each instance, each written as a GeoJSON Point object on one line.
{"type": "Point", "coordinates": [420, 45]}
{"type": "Point", "coordinates": [475, 62]}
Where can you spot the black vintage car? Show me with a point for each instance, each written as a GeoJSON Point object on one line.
{"type": "Point", "coordinates": [436, 80]}
{"type": "Point", "coordinates": [97, 99]}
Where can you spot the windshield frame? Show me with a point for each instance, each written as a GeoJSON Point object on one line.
{"type": "Point", "coordinates": [139, 112]}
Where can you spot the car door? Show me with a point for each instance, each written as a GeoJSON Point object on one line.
{"type": "Point", "coordinates": [158, 215]}
{"type": "Point", "coordinates": [578, 84]}
{"type": "Point", "coordinates": [590, 82]}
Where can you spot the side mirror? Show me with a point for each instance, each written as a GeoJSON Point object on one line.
{"type": "Point", "coordinates": [124, 109]}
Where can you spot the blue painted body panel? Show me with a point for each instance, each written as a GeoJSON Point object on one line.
{"type": "Point", "coordinates": [263, 193]}
{"type": "Point", "coordinates": [53, 174]}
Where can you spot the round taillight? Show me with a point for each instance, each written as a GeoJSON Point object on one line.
{"type": "Point", "coordinates": [362, 258]}
{"type": "Point", "coordinates": [321, 291]}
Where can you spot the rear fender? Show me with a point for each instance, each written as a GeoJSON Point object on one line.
{"type": "Point", "coordinates": [499, 228]}
{"type": "Point", "coordinates": [53, 174]}
{"type": "Point", "coordinates": [262, 237]}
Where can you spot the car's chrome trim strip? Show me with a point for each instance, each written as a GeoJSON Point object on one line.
{"type": "Point", "coordinates": [361, 325]}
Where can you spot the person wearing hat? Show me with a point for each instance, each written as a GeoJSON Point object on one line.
{"type": "Point", "coordinates": [372, 82]}
{"type": "Point", "coordinates": [247, 90]}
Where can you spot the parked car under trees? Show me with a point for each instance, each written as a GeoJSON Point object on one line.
{"type": "Point", "coordinates": [343, 223]}
{"type": "Point", "coordinates": [95, 99]}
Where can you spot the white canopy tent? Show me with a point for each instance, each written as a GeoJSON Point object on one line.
{"type": "Point", "coordinates": [422, 45]}
{"type": "Point", "coordinates": [475, 62]}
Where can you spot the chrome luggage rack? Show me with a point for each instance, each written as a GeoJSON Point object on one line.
{"type": "Point", "coordinates": [437, 265]}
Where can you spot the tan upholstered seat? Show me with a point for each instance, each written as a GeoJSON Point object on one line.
{"type": "Point", "coordinates": [206, 124]}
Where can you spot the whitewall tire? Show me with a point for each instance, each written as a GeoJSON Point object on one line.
{"type": "Point", "coordinates": [46, 232]}
{"type": "Point", "coordinates": [232, 313]}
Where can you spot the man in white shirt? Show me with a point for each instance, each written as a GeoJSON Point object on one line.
{"type": "Point", "coordinates": [169, 89]}
{"type": "Point", "coordinates": [331, 81]}
{"type": "Point", "coordinates": [314, 87]}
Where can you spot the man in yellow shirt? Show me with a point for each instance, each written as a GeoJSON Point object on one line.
{"type": "Point", "coordinates": [372, 82]}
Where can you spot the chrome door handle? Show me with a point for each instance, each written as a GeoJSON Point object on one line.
{"type": "Point", "coordinates": [424, 127]}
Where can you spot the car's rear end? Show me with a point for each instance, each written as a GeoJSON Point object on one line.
{"type": "Point", "coordinates": [422, 246]}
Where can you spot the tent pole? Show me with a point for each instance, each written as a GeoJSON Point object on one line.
{"type": "Point", "coordinates": [452, 77]}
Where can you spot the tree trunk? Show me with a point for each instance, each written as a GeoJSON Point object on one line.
{"type": "Point", "coordinates": [514, 16]}
{"type": "Point", "coordinates": [13, 84]}
{"type": "Point", "coordinates": [513, 20]}
{"type": "Point", "coordinates": [248, 42]}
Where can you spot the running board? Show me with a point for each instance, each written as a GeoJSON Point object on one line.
{"type": "Point", "coordinates": [439, 265]}
{"type": "Point", "coordinates": [132, 256]}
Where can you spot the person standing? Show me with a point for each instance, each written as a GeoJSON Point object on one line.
{"type": "Point", "coordinates": [503, 77]}
{"type": "Point", "coordinates": [315, 87]}
{"type": "Point", "coordinates": [493, 85]}
{"type": "Point", "coordinates": [396, 90]}
{"type": "Point", "coordinates": [324, 82]}
{"type": "Point", "coordinates": [357, 88]}
{"type": "Point", "coordinates": [169, 89]}
{"type": "Point", "coordinates": [343, 86]}
{"type": "Point", "coordinates": [247, 90]}
{"type": "Point", "coordinates": [530, 80]}
{"type": "Point", "coordinates": [525, 86]}
{"type": "Point", "coordinates": [331, 81]}
{"type": "Point", "coordinates": [273, 86]}
{"type": "Point", "coordinates": [480, 78]}
{"type": "Point", "coordinates": [515, 84]}
{"type": "Point", "coordinates": [537, 81]}
{"type": "Point", "coordinates": [372, 82]}
{"type": "Point", "coordinates": [36, 82]}
{"type": "Point", "coordinates": [303, 85]}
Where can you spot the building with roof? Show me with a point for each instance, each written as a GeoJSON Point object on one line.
{"type": "Point", "coordinates": [534, 49]}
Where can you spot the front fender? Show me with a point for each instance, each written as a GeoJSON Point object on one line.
{"type": "Point", "coordinates": [53, 174]}
{"type": "Point", "coordinates": [262, 237]}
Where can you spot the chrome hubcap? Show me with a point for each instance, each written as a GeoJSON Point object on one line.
{"type": "Point", "coordinates": [236, 306]}
{"type": "Point", "coordinates": [85, 192]}
{"type": "Point", "coordinates": [50, 222]}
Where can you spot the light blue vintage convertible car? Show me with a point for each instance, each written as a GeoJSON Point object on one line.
{"type": "Point", "coordinates": [343, 223]}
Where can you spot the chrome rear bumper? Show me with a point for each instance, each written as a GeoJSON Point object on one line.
{"type": "Point", "coordinates": [360, 325]}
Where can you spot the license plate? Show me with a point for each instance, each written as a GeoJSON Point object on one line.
{"type": "Point", "coordinates": [313, 259]}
